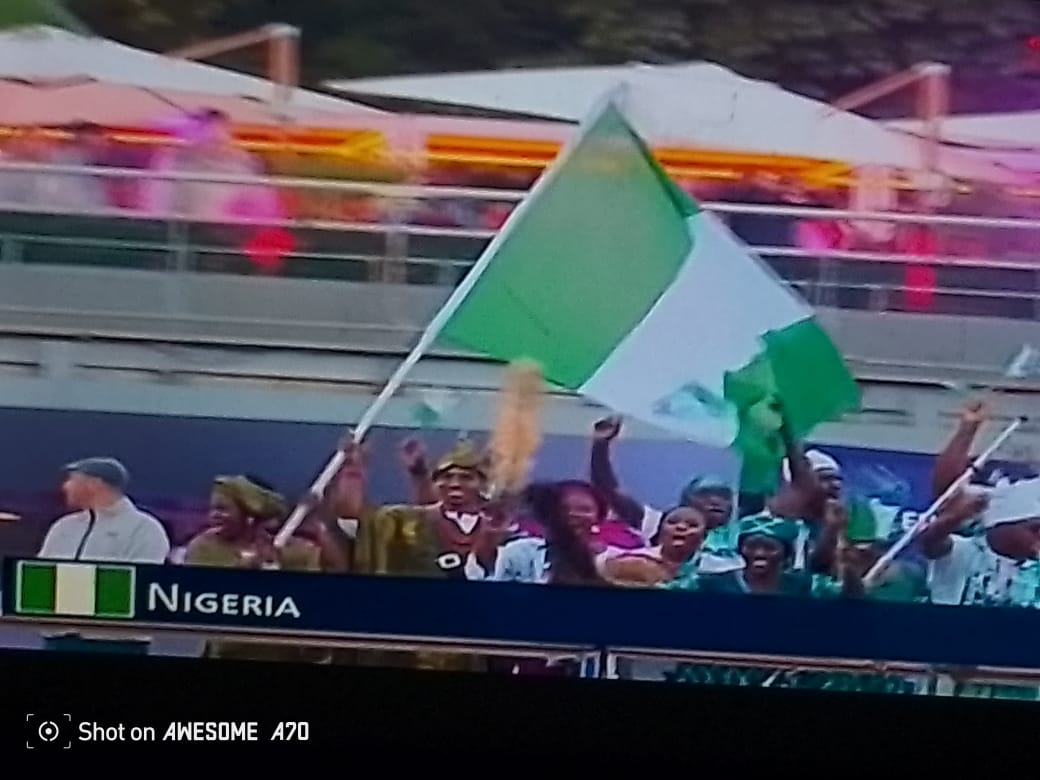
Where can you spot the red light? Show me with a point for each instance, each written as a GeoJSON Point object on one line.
{"type": "Point", "coordinates": [1033, 43]}
{"type": "Point", "coordinates": [919, 287]}
{"type": "Point", "coordinates": [268, 247]}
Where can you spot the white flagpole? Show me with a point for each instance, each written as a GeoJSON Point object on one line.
{"type": "Point", "coordinates": [446, 312]}
{"type": "Point", "coordinates": [883, 562]}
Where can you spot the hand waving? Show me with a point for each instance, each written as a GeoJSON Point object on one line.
{"type": "Point", "coordinates": [413, 455]}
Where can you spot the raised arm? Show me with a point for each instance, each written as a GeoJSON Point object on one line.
{"type": "Point", "coordinates": [417, 467]}
{"type": "Point", "coordinates": [956, 457]}
{"type": "Point", "coordinates": [803, 496]}
{"type": "Point", "coordinates": [824, 554]}
{"type": "Point", "coordinates": [602, 476]}
{"type": "Point", "coordinates": [935, 538]}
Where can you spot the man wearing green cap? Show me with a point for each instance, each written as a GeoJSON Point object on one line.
{"type": "Point", "coordinates": [447, 539]}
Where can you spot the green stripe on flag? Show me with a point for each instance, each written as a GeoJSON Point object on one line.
{"type": "Point", "coordinates": [114, 593]}
{"type": "Point", "coordinates": [568, 267]}
{"type": "Point", "coordinates": [36, 589]}
{"type": "Point", "coordinates": [75, 589]}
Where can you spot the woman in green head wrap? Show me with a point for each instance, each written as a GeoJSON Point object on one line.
{"type": "Point", "coordinates": [243, 510]}
{"type": "Point", "coordinates": [767, 545]}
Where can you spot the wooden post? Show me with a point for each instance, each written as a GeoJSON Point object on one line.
{"type": "Point", "coordinates": [283, 66]}
{"type": "Point", "coordinates": [283, 61]}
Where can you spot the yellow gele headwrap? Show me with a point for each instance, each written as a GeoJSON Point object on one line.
{"type": "Point", "coordinates": [257, 501]}
{"type": "Point", "coordinates": [463, 456]}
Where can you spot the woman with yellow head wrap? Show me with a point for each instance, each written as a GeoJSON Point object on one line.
{"type": "Point", "coordinates": [242, 510]}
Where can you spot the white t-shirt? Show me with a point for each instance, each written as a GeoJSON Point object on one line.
{"type": "Point", "coordinates": [526, 559]}
{"type": "Point", "coordinates": [971, 573]}
{"type": "Point", "coordinates": [522, 560]}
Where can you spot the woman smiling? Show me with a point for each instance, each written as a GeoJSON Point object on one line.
{"type": "Point", "coordinates": [243, 511]}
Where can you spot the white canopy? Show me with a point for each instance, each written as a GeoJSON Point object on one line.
{"type": "Point", "coordinates": [1019, 130]}
{"type": "Point", "coordinates": [47, 54]}
{"type": "Point", "coordinates": [693, 105]}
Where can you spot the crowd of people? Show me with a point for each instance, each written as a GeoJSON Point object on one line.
{"type": "Point", "coordinates": [206, 145]}
{"type": "Point", "coordinates": [269, 224]}
{"type": "Point", "coordinates": [810, 538]}
{"type": "Point", "coordinates": [204, 142]}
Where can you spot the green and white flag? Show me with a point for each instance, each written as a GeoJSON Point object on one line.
{"type": "Point", "coordinates": [75, 590]}
{"type": "Point", "coordinates": [433, 406]}
{"type": "Point", "coordinates": [625, 291]}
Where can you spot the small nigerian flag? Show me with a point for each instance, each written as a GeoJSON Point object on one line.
{"type": "Point", "coordinates": [75, 589]}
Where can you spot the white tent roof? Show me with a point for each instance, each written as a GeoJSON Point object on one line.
{"type": "Point", "coordinates": [40, 54]}
{"type": "Point", "coordinates": [1019, 130]}
{"type": "Point", "coordinates": [696, 104]}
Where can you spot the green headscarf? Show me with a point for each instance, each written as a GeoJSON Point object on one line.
{"type": "Point", "coordinates": [257, 501]}
{"type": "Point", "coordinates": [783, 530]}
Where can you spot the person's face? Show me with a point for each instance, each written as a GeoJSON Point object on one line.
{"type": "Point", "coordinates": [459, 489]}
{"type": "Point", "coordinates": [682, 532]}
{"type": "Point", "coordinates": [715, 505]}
{"type": "Point", "coordinates": [831, 482]}
{"type": "Point", "coordinates": [763, 554]}
{"type": "Point", "coordinates": [580, 511]}
{"type": "Point", "coordinates": [226, 514]}
{"type": "Point", "coordinates": [859, 557]}
{"type": "Point", "coordinates": [1018, 541]}
{"type": "Point", "coordinates": [79, 490]}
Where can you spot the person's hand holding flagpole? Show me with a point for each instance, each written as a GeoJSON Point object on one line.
{"type": "Point", "coordinates": [939, 503]}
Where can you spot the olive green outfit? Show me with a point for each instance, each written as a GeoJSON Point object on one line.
{"type": "Point", "coordinates": [210, 549]}
{"type": "Point", "coordinates": [411, 541]}
{"type": "Point", "coordinates": [403, 541]}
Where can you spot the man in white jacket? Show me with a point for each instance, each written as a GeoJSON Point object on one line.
{"type": "Point", "coordinates": [105, 526]}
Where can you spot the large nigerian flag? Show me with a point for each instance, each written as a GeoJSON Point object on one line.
{"type": "Point", "coordinates": [626, 292]}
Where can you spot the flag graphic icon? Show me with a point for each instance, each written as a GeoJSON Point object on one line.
{"type": "Point", "coordinates": [75, 590]}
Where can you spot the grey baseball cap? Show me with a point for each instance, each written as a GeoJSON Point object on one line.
{"type": "Point", "coordinates": [108, 470]}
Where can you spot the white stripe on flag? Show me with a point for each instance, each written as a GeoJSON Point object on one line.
{"type": "Point", "coordinates": [74, 589]}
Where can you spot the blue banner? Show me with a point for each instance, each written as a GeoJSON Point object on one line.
{"type": "Point", "coordinates": [438, 610]}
